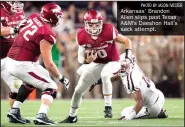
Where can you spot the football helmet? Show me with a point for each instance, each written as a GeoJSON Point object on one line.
{"type": "Point", "coordinates": [51, 13]}
{"type": "Point", "coordinates": [12, 7]}
{"type": "Point", "coordinates": [93, 22]}
{"type": "Point", "coordinates": [126, 65]}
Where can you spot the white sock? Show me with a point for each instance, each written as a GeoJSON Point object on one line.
{"type": "Point", "coordinates": [73, 111]}
{"type": "Point", "coordinates": [17, 104]}
{"type": "Point", "coordinates": [43, 109]}
{"type": "Point", "coordinates": [108, 100]}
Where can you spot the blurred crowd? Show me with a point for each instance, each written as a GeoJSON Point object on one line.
{"type": "Point", "coordinates": [160, 57]}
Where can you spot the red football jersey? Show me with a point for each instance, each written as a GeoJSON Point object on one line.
{"type": "Point", "coordinates": [9, 21]}
{"type": "Point", "coordinates": [27, 44]}
{"type": "Point", "coordinates": [104, 45]}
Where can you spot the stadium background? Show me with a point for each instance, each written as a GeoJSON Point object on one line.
{"type": "Point", "coordinates": [160, 57]}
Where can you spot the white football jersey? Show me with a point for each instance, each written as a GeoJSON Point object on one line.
{"type": "Point", "coordinates": [136, 80]}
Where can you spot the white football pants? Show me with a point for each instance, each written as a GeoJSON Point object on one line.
{"type": "Point", "coordinates": [31, 73]}
{"type": "Point", "coordinates": [10, 80]}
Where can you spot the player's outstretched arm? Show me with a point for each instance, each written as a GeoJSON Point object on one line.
{"type": "Point", "coordinates": [45, 48]}
{"type": "Point", "coordinates": [124, 40]}
{"type": "Point", "coordinates": [128, 45]}
{"type": "Point", "coordinates": [139, 104]}
{"type": "Point", "coordinates": [139, 101]}
{"type": "Point", "coordinates": [5, 31]}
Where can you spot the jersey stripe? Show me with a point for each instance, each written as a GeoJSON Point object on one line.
{"type": "Point", "coordinates": [54, 40]}
{"type": "Point", "coordinates": [156, 99]}
{"type": "Point", "coordinates": [128, 82]}
{"type": "Point", "coordinates": [38, 77]}
{"type": "Point", "coordinates": [148, 85]}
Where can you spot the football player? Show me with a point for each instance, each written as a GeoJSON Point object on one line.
{"type": "Point", "coordinates": [34, 39]}
{"type": "Point", "coordinates": [149, 100]}
{"type": "Point", "coordinates": [12, 18]}
{"type": "Point", "coordinates": [100, 40]}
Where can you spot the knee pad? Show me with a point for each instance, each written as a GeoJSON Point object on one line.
{"type": "Point", "coordinates": [49, 91]}
{"type": "Point", "coordinates": [23, 92]}
{"type": "Point", "coordinates": [12, 95]}
{"type": "Point", "coordinates": [29, 87]}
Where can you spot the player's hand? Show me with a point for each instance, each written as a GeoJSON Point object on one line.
{"type": "Point", "coordinates": [129, 116]}
{"type": "Point", "coordinates": [91, 56]}
{"type": "Point", "coordinates": [20, 25]}
{"type": "Point", "coordinates": [65, 82]}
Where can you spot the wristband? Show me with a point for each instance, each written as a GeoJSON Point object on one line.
{"type": "Point", "coordinates": [60, 77]}
{"type": "Point", "coordinates": [128, 54]}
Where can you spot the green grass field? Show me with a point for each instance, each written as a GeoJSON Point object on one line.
{"type": "Point", "coordinates": [91, 113]}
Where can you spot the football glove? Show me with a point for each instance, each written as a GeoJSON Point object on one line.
{"type": "Point", "coordinates": [65, 82]}
{"type": "Point", "coordinates": [20, 25]}
{"type": "Point", "coordinates": [128, 55]}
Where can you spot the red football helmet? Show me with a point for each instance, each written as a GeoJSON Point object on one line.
{"type": "Point", "coordinates": [12, 7]}
{"type": "Point", "coordinates": [93, 22]}
{"type": "Point", "coordinates": [51, 13]}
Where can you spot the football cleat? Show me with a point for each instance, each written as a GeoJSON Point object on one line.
{"type": "Point", "coordinates": [163, 114]}
{"type": "Point", "coordinates": [108, 112]}
{"type": "Point", "coordinates": [42, 119]}
{"type": "Point", "coordinates": [70, 119]}
{"type": "Point", "coordinates": [14, 116]}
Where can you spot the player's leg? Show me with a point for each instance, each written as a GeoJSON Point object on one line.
{"type": "Point", "coordinates": [14, 112]}
{"type": "Point", "coordinates": [89, 74]}
{"type": "Point", "coordinates": [8, 80]}
{"type": "Point", "coordinates": [109, 70]}
{"type": "Point", "coordinates": [157, 110]}
{"type": "Point", "coordinates": [36, 76]}
{"type": "Point", "coordinates": [14, 85]}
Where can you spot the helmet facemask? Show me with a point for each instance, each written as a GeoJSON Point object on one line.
{"type": "Point", "coordinates": [94, 27]}
{"type": "Point", "coordinates": [59, 18]}
{"type": "Point", "coordinates": [18, 6]}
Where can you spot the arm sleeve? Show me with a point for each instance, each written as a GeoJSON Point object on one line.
{"type": "Point", "coordinates": [136, 76]}
{"type": "Point", "coordinates": [81, 54]}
